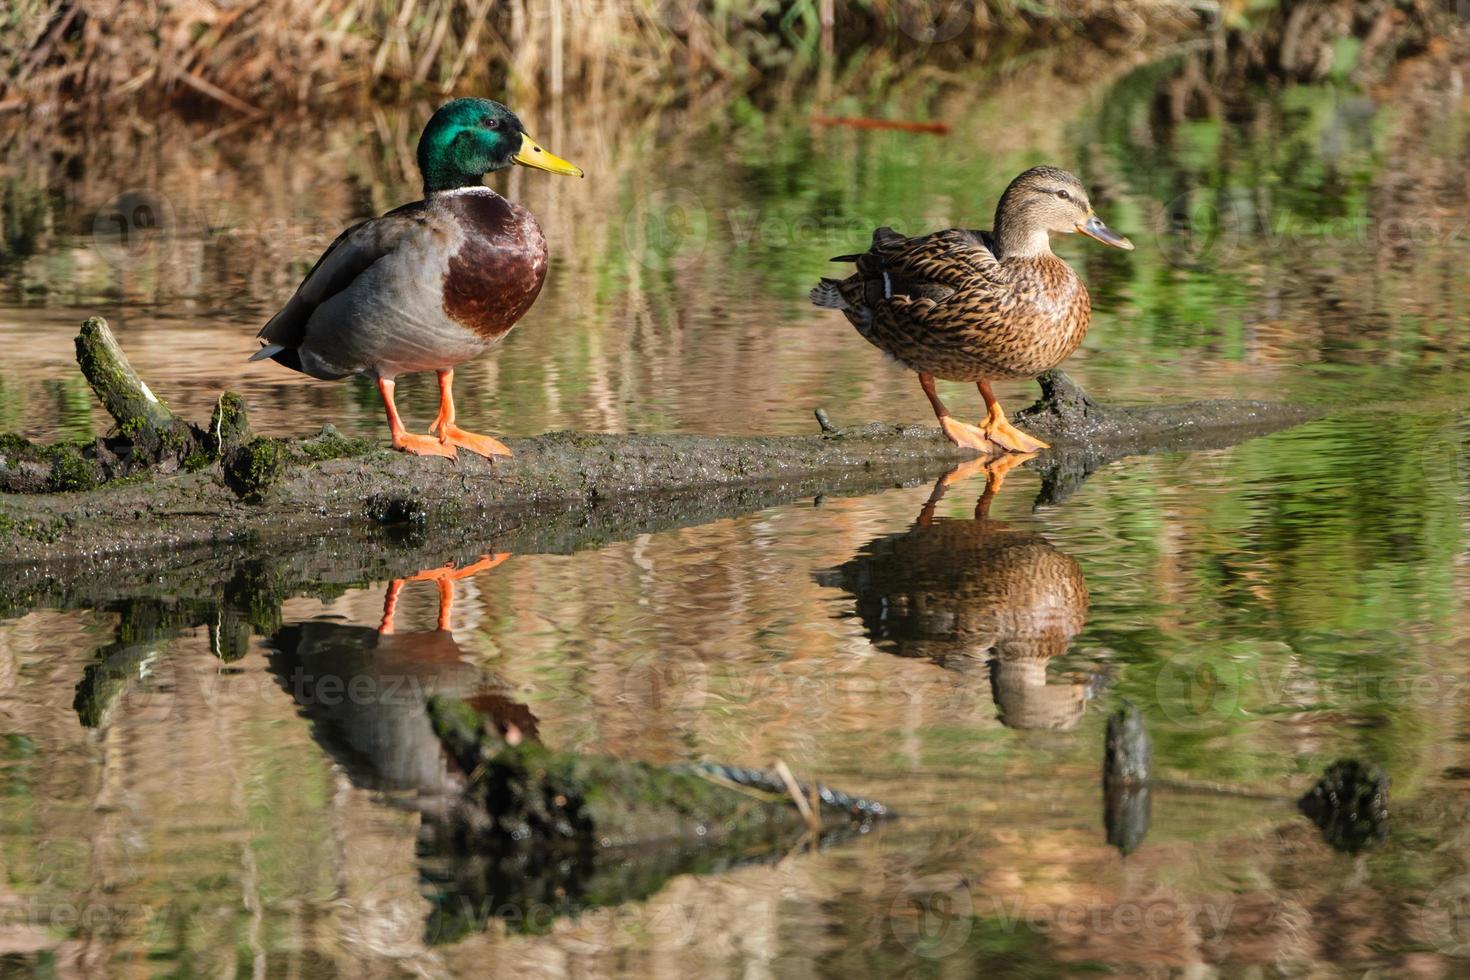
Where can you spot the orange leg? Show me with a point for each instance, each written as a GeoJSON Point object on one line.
{"type": "Point", "coordinates": [957, 432]}
{"type": "Point", "coordinates": [451, 434]}
{"type": "Point", "coordinates": [402, 438]}
{"type": "Point", "coordinates": [995, 471]}
{"type": "Point", "coordinates": [999, 429]}
{"type": "Point", "coordinates": [994, 477]}
{"type": "Point", "coordinates": [445, 578]}
{"type": "Point", "coordinates": [390, 606]}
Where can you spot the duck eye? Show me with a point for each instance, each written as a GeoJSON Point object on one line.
{"type": "Point", "coordinates": [1064, 195]}
{"type": "Point", "coordinates": [490, 122]}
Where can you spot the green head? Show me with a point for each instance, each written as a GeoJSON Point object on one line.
{"type": "Point", "coordinates": [468, 138]}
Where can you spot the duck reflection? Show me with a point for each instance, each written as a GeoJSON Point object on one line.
{"type": "Point", "coordinates": [365, 689]}
{"type": "Point", "coordinates": [960, 592]}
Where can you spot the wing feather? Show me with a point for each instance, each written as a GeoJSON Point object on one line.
{"type": "Point", "coordinates": [353, 252]}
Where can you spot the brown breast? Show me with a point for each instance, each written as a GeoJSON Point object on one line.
{"type": "Point", "coordinates": [1056, 312]}
{"type": "Point", "coordinates": [496, 274]}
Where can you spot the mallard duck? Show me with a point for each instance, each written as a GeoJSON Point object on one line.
{"type": "Point", "coordinates": [978, 305]}
{"type": "Point", "coordinates": [431, 284]}
{"type": "Point", "coordinates": [963, 592]}
{"type": "Point", "coordinates": [365, 689]}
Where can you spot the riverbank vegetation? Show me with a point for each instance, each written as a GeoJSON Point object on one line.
{"type": "Point", "coordinates": [60, 56]}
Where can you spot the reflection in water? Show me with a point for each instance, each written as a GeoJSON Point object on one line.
{"type": "Point", "coordinates": [1127, 764]}
{"type": "Point", "coordinates": [1349, 804]}
{"type": "Point", "coordinates": [365, 689]}
{"type": "Point", "coordinates": [530, 835]}
{"type": "Point", "coordinates": [962, 592]}
{"type": "Point", "coordinates": [1299, 245]}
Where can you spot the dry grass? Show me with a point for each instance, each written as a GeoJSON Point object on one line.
{"type": "Point", "coordinates": [61, 54]}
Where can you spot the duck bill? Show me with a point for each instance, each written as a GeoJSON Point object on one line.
{"type": "Point", "coordinates": [532, 155]}
{"type": "Point", "coordinates": [1093, 227]}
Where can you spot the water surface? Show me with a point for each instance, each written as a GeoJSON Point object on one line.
{"type": "Point", "coordinates": [176, 802]}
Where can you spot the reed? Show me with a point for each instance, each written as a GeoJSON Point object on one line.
{"type": "Point", "coordinates": [62, 55]}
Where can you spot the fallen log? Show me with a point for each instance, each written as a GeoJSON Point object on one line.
{"type": "Point", "coordinates": [161, 484]}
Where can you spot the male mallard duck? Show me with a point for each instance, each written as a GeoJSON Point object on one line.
{"type": "Point", "coordinates": [978, 305]}
{"type": "Point", "coordinates": [428, 285]}
{"type": "Point", "coordinates": [365, 689]}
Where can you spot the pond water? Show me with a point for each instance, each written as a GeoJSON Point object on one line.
{"type": "Point", "coordinates": [175, 801]}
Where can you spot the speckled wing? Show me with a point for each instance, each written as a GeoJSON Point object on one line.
{"type": "Point", "coordinates": [909, 293]}
{"type": "Point", "coordinates": [355, 251]}
{"type": "Point", "coordinates": [899, 270]}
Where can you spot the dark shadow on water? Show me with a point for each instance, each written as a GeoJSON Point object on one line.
{"type": "Point", "coordinates": [1127, 769]}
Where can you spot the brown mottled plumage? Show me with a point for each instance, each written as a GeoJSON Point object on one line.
{"type": "Point", "coordinates": [959, 592]}
{"type": "Point", "coordinates": [497, 273]}
{"type": "Point", "coordinates": [976, 305]}
{"type": "Point", "coordinates": [951, 590]}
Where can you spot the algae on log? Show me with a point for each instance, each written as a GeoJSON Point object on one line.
{"type": "Point", "coordinates": [149, 437]}
{"type": "Point", "coordinates": [529, 798]}
{"type": "Point", "coordinates": [281, 491]}
{"type": "Point", "coordinates": [542, 831]}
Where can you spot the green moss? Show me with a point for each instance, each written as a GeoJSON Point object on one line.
{"type": "Point", "coordinates": [252, 469]}
{"type": "Point", "coordinates": [330, 444]}
{"type": "Point", "coordinates": [70, 469]}
{"type": "Point", "coordinates": [228, 425]}
{"type": "Point", "coordinates": [175, 439]}
{"type": "Point", "coordinates": [13, 443]}
{"type": "Point", "coordinates": [44, 533]}
{"type": "Point", "coordinates": [255, 467]}
{"type": "Point", "coordinates": [132, 479]}
{"type": "Point", "coordinates": [459, 727]}
{"type": "Point", "coordinates": [197, 461]}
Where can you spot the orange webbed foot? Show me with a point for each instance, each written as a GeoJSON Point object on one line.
{"type": "Point", "coordinates": [423, 445]}
{"type": "Point", "coordinates": [966, 435]}
{"type": "Point", "coordinates": [445, 576]}
{"type": "Point", "coordinates": [452, 435]}
{"type": "Point", "coordinates": [453, 573]}
{"type": "Point", "coordinates": [995, 474]}
{"type": "Point", "coordinates": [964, 471]}
{"type": "Point", "coordinates": [1000, 431]}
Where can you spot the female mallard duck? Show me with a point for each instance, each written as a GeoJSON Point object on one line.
{"type": "Point", "coordinates": [431, 284]}
{"type": "Point", "coordinates": [966, 591]}
{"type": "Point", "coordinates": [978, 305]}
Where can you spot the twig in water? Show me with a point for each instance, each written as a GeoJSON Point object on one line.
{"type": "Point", "coordinates": [794, 788]}
{"type": "Point", "coordinates": [936, 128]}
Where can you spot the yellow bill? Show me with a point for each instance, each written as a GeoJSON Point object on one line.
{"type": "Point", "coordinates": [531, 155]}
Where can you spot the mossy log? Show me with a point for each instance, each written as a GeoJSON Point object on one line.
{"type": "Point", "coordinates": [149, 437]}
{"type": "Point", "coordinates": [528, 796]}
{"type": "Point", "coordinates": [184, 486]}
{"type": "Point", "coordinates": [537, 828]}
